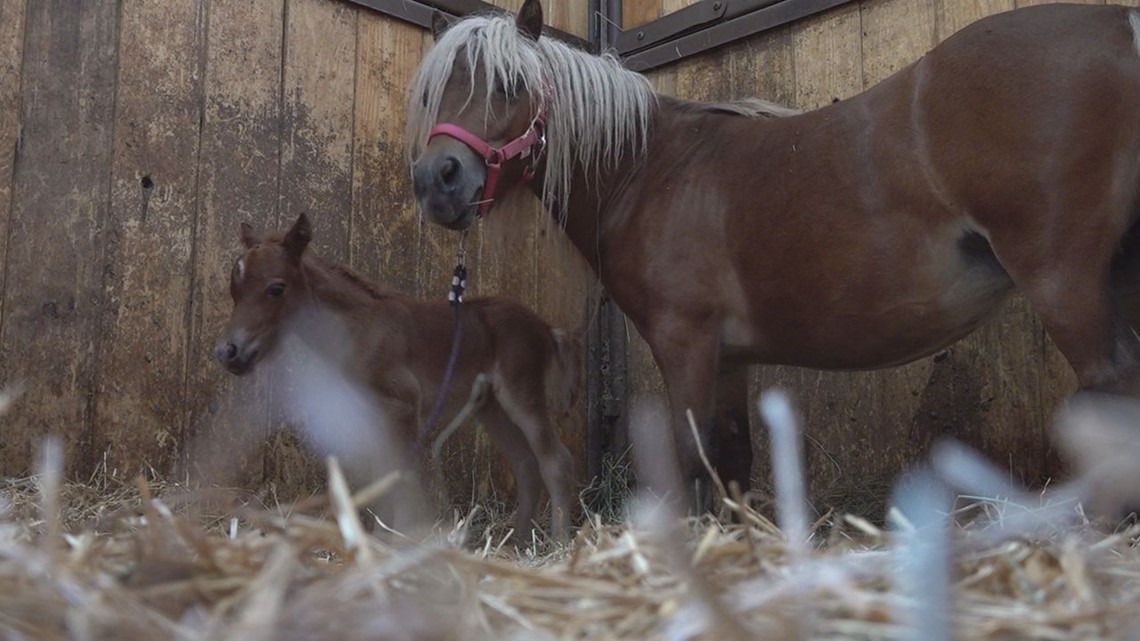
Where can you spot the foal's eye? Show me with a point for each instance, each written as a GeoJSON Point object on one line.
{"type": "Point", "coordinates": [275, 290]}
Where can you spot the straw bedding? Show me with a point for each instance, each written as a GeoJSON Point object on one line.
{"type": "Point", "coordinates": [142, 560]}
{"type": "Point", "coordinates": [126, 565]}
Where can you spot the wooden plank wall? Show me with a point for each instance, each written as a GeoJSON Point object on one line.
{"type": "Point", "coordinates": [996, 390]}
{"type": "Point", "coordinates": [134, 136]}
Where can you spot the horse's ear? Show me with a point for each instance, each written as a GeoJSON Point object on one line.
{"type": "Point", "coordinates": [440, 22]}
{"type": "Point", "coordinates": [530, 19]}
{"type": "Point", "coordinates": [248, 236]}
{"type": "Point", "coordinates": [298, 236]}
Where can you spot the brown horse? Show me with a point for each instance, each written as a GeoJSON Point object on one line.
{"type": "Point", "coordinates": [396, 348]}
{"type": "Point", "coordinates": [866, 234]}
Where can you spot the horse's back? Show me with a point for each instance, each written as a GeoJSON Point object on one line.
{"type": "Point", "coordinates": [1018, 106]}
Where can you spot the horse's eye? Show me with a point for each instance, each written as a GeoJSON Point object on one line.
{"type": "Point", "coordinates": [275, 290]}
{"type": "Point", "coordinates": [508, 90]}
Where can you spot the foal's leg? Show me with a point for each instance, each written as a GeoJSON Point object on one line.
{"type": "Point", "coordinates": [524, 401]}
{"type": "Point", "coordinates": [407, 507]}
{"type": "Point", "coordinates": [513, 445]}
{"type": "Point", "coordinates": [733, 434]}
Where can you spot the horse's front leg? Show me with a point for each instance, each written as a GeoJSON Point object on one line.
{"type": "Point", "coordinates": [687, 357]}
{"type": "Point", "coordinates": [732, 432]}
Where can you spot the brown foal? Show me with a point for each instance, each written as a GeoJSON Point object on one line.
{"type": "Point", "coordinates": [396, 348]}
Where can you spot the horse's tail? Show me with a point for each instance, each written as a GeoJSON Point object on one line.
{"type": "Point", "coordinates": [565, 369]}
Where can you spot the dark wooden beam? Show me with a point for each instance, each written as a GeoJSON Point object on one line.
{"type": "Point", "coordinates": [668, 51]}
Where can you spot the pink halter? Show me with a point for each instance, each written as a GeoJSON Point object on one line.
{"type": "Point", "coordinates": [530, 144]}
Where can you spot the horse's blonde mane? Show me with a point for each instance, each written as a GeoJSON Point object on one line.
{"type": "Point", "coordinates": [598, 111]}
{"type": "Point", "coordinates": [753, 108]}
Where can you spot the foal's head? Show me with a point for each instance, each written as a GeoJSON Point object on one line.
{"type": "Point", "coordinates": [266, 287]}
{"type": "Point", "coordinates": [482, 83]}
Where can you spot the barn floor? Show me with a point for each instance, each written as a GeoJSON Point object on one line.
{"type": "Point", "coordinates": [117, 560]}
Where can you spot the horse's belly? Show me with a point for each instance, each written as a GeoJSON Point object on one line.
{"type": "Point", "coordinates": [877, 323]}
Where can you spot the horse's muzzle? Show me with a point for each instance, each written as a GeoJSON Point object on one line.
{"type": "Point", "coordinates": [446, 191]}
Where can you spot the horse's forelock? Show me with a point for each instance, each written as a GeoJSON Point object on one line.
{"type": "Point", "coordinates": [489, 43]}
{"type": "Point", "coordinates": [598, 111]}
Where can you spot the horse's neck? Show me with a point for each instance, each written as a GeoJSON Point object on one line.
{"type": "Point", "coordinates": [590, 206]}
{"type": "Point", "coordinates": [600, 201]}
{"type": "Point", "coordinates": [681, 134]}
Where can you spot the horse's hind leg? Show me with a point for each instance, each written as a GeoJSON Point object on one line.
{"type": "Point", "coordinates": [513, 445]}
{"type": "Point", "coordinates": [1065, 270]}
{"type": "Point", "coordinates": [1126, 277]}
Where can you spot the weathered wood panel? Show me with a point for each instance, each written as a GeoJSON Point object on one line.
{"type": "Point", "coordinates": [11, 58]}
{"type": "Point", "coordinates": [141, 414]}
{"type": "Point", "coordinates": [124, 218]}
{"type": "Point", "coordinates": [827, 57]}
{"type": "Point", "coordinates": [952, 15]}
{"type": "Point", "coordinates": [258, 109]}
{"type": "Point", "coordinates": [318, 106]}
{"type": "Point", "coordinates": [1028, 3]}
{"type": "Point", "coordinates": [318, 85]}
{"type": "Point", "coordinates": [571, 16]}
{"type": "Point", "coordinates": [635, 13]}
{"type": "Point", "coordinates": [385, 224]}
{"type": "Point", "coordinates": [53, 291]}
{"type": "Point", "coordinates": [238, 182]}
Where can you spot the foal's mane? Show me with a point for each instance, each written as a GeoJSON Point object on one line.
{"type": "Point", "coordinates": [345, 275]}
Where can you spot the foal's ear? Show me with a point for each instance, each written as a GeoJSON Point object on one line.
{"type": "Point", "coordinates": [248, 236]}
{"type": "Point", "coordinates": [440, 22]}
{"type": "Point", "coordinates": [298, 236]}
{"type": "Point", "coordinates": [529, 20]}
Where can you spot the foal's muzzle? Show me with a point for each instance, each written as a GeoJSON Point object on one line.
{"type": "Point", "coordinates": [238, 359]}
{"type": "Point", "coordinates": [446, 190]}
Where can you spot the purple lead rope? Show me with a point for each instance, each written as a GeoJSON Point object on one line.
{"type": "Point", "coordinates": [455, 298]}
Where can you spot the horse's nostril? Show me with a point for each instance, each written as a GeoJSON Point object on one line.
{"type": "Point", "coordinates": [449, 170]}
{"type": "Point", "coordinates": [230, 352]}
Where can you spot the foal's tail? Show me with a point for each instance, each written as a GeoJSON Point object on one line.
{"type": "Point", "coordinates": [565, 369]}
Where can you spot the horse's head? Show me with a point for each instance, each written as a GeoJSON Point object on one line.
{"type": "Point", "coordinates": [265, 285]}
{"type": "Point", "coordinates": [477, 113]}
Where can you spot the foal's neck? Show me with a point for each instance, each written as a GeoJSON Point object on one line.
{"type": "Point", "coordinates": [339, 288]}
